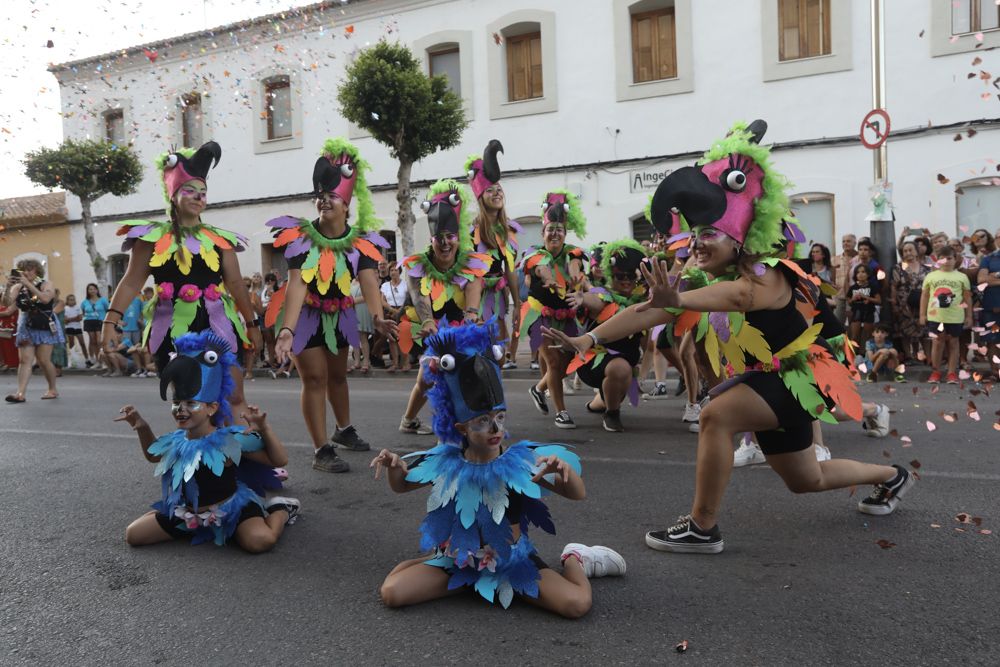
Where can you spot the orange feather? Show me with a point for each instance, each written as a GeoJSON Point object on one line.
{"type": "Point", "coordinates": [287, 236]}
{"type": "Point", "coordinates": [686, 321]}
{"type": "Point", "coordinates": [436, 289]}
{"type": "Point", "coordinates": [216, 239]}
{"type": "Point", "coordinates": [326, 263]}
{"type": "Point", "coordinates": [274, 307]}
{"type": "Point", "coordinates": [834, 380]}
{"type": "Point", "coordinates": [579, 361]}
{"type": "Point", "coordinates": [607, 312]}
{"type": "Point", "coordinates": [163, 245]}
{"type": "Point", "coordinates": [405, 335]}
{"type": "Point", "coordinates": [368, 249]}
{"type": "Point", "coordinates": [532, 261]}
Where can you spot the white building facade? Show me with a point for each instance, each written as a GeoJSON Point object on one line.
{"type": "Point", "coordinates": [601, 97]}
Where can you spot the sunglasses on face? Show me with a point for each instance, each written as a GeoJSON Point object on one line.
{"type": "Point", "coordinates": [555, 229]}
{"type": "Point", "coordinates": [624, 277]}
{"type": "Point", "coordinates": [445, 237]}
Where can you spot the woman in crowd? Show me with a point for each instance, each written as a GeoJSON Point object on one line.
{"type": "Point", "coordinates": [393, 299]}
{"type": "Point", "coordinates": [198, 280]}
{"type": "Point", "coordinates": [495, 234]}
{"type": "Point", "coordinates": [444, 283]}
{"type": "Point", "coordinates": [361, 354]}
{"type": "Point", "coordinates": [820, 264]}
{"type": "Point", "coordinates": [318, 322]}
{"type": "Point", "coordinates": [907, 277]}
{"type": "Point", "coordinates": [95, 307]}
{"type": "Point", "coordinates": [556, 269]}
{"type": "Point", "coordinates": [38, 329]}
{"type": "Point", "coordinates": [60, 357]}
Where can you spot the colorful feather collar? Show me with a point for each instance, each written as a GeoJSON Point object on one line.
{"type": "Point", "coordinates": [202, 240]}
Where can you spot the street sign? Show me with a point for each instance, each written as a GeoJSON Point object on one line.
{"type": "Point", "coordinates": [875, 128]}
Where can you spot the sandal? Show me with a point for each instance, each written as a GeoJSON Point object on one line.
{"type": "Point", "coordinates": [48, 396]}
{"type": "Point", "coordinates": [14, 398]}
{"type": "Point", "coordinates": [391, 369]}
{"type": "Point", "coordinates": [365, 368]}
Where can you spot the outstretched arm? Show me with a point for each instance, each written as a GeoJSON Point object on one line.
{"type": "Point", "coordinates": [566, 483]}
{"type": "Point", "coordinates": [396, 470]}
{"type": "Point", "coordinates": [274, 453]}
{"type": "Point", "coordinates": [146, 437]}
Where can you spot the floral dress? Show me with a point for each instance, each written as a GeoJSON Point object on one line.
{"type": "Point", "coordinates": [906, 319]}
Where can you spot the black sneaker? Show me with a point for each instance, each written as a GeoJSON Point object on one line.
{"type": "Point", "coordinates": [886, 496]}
{"type": "Point", "coordinates": [613, 421]}
{"type": "Point", "coordinates": [326, 460]}
{"type": "Point", "coordinates": [539, 399]}
{"type": "Point", "coordinates": [686, 537]}
{"type": "Point", "coordinates": [659, 392]}
{"type": "Point", "coordinates": [349, 439]}
{"type": "Point", "coordinates": [681, 387]}
{"type": "Point", "coordinates": [290, 505]}
{"type": "Point", "coordinates": [563, 420]}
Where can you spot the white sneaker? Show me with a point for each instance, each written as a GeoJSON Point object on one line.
{"type": "Point", "coordinates": [877, 426]}
{"type": "Point", "coordinates": [748, 453]}
{"type": "Point", "coordinates": [822, 453]}
{"type": "Point", "coordinates": [568, 389]}
{"type": "Point", "coordinates": [414, 426]}
{"type": "Point", "coordinates": [597, 561]}
{"type": "Point", "coordinates": [534, 366]}
{"type": "Point", "coordinates": [290, 505]}
{"type": "Point", "coordinates": [576, 382]}
{"type": "Point", "coordinates": [694, 428]}
{"type": "Point", "coordinates": [691, 412]}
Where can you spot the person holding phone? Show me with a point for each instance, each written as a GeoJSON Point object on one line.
{"type": "Point", "coordinates": [37, 328]}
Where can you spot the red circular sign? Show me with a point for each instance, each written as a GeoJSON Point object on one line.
{"type": "Point", "coordinates": [875, 128]}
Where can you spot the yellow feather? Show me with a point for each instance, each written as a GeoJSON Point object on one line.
{"type": "Point", "coordinates": [425, 286]}
{"type": "Point", "coordinates": [309, 274]}
{"type": "Point", "coordinates": [439, 302]}
{"type": "Point", "coordinates": [324, 285]}
{"type": "Point", "coordinates": [183, 259]}
{"type": "Point", "coordinates": [733, 353]}
{"type": "Point", "coordinates": [752, 340]}
{"type": "Point", "coordinates": [712, 349]}
{"type": "Point", "coordinates": [160, 259]}
{"type": "Point", "coordinates": [344, 282]}
{"type": "Point", "coordinates": [459, 298]}
{"type": "Point", "coordinates": [801, 343]}
{"type": "Point", "coordinates": [211, 257]}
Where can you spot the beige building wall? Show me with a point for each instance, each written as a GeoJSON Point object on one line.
{"type": "Point", "coordinates": [48, 244]}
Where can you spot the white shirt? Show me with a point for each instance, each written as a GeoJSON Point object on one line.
{"type": "Point", "coordinates": [394, 296]}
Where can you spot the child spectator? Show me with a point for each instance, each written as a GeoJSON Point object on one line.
{"type": "Point", "coordinates": [862, 298]}
{"type": "Point", "coordinates": [879, 353]}
{"type": "Point", "coordinates": [946, 306]}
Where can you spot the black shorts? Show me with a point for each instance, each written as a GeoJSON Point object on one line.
{"type": "Point", "coordinates": [662, 339]}
{"type": "Point", "coordinates": [795, 432]}
{"type": "Point", "coordinates": [954, 330]}
{"type": "Point", "coordinates": [594, 377]}
{"type": "Point", "coordinates": [171, 525]}
{"type": "Point", "coordinates": [92, 326]}
{"type": "Point", "coordinates": [318, 339]}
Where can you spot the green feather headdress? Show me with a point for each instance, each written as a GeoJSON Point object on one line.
{"type": "Point", "coordinates": [612, 248]}
{"type": "Point", "coordinates": [466, 219]}
{"type": "Point", "coordinates": [770, 209]}
{"type": "Point", "coordinates": [161, 162]}
{"type": "Point", "coordinates": [576, 222]}
{"type": "Point", "coordinates": [366, 220]}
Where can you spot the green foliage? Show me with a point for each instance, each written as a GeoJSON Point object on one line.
{"type": "Point", "coordinates": [386, 93]}
{"type": "Point", "coordinates": [87, 169]}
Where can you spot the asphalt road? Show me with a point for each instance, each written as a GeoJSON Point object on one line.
{"type": "Point", "coordinates": [803, 579]}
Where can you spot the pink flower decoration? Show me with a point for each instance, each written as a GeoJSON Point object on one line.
{"type": "Point", "coordinates": [331, 305]}
{"type": "Point", "coordinates": [547, 311]}
{"type": "Point", "coordinates": [312, 300]}
{"type": "Point", "coordinates": [212, 293]}
{"type": "Point", "coordinates": [166, 291]}
{"type": "Point", "coordinates": [502, 283]}
{"type": "Point", "coordinates": [347, 302]}
{"type": "Point", "coordinates": [190, 293]}
{"type": "Point", "coordinates": [487, 559]}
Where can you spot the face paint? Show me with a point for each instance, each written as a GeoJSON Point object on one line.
{"type": "Point", "coordinates": [445, 237]}
{"type": "Point", "coordinates": [492, 423]}
{"type": "Point", "coordinates": [187, 406]}
{"type": "Point", "coordinates": [193, 193]}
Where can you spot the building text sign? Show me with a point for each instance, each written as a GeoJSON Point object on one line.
{"type": "Point", "coordinates": [641, 180]}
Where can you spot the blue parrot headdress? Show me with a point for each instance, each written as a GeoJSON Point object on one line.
{"type": "Point", "coordinates": [465, 369]}
{"type": "Point", "coordinates": [200, 371]}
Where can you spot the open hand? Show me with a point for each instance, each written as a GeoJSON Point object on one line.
{"type": "Point", "coordinates": [544, 274]}
{"type": "Point", "coordinates": [387, 328]}
{"type": "Point", "coordinates": [283, 346]}
{"type": "Point", "coordinates": [387, 459]}
{"type": "Point", "coordinates": [559, 339]}
{"type": "Point", "coordinates": [661, 292]}
{"type": "Point", "coordinates": [552, 464]}
{"type": "Point", "coordinates": [255, 418]}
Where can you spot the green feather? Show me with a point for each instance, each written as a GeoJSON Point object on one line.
{"type": "Point", "coordinates": [184, 312]}
{"type": "Point", "coordinates": [329, 322]}
{"type": "Point", "coordinates": [366, 219]}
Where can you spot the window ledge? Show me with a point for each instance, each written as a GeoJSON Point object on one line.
{"type": "Point", "coordinates": [825, 56]}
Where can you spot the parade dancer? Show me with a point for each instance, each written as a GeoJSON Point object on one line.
{"type": "Point", "coordinates": [556, 269]}
{"type": "Point", "coordinates": [611, 368]}
{"type": "Point", "coordinates": [314, 312]}
{"type": "Point", "coordinates": [444, 282]}
{"type": "Point", "coordinates": [781, 375]}
{"type": "Point", "coordinates": [199, 285]}
{"type": "Point", "coordinates": [495, 234]}
{"type": "Point", "coordinates": [484, 495]}
{"type": "Point", "coordinates": [213, 476]}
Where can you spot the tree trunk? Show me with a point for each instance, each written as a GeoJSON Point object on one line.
{"type": "Point", "coordinates": [96, 259]}
{"type": "Point", "coordinates": [405, 219]}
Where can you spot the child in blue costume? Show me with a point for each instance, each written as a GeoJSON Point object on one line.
{"type": "Point", "coordinates": [213, 476]}
{"type": "Point", "coordinates": [484, 495]}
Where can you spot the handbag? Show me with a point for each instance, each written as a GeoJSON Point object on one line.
{"type": "Point", "coordinates": [39, 320]}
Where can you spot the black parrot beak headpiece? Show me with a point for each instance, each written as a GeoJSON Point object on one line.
{"type": "Point", "coordinates": [179, 169]}
{"type": "Point", "coordinates": [627, 260]}
{"type": "Point", "coordinates": [443, 210]}
{"type": "Point", "coordinates": [184, 373]}
{"type": "Point", "coordinates": [555, 208]}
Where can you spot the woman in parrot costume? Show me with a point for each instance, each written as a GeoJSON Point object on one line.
{"type": "Point", "coordinates": [314, 312]}
{"type": "Point", "coordinates": [445, 282]}
{"type": "Point", "coordinates": [494, 234]}
{"type": "Point", "coordinates": [781, 374]}
{"type": "Point", "coordinates": [612, 368]}
{"type": "Point", "coordinates": [555, 270]}
{"type": "Point", "coordinates": [485, 496]}
{"type": "Point", "coordinates": [199, 285]}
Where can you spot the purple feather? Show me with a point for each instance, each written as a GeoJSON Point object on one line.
{"type": "Point", "coordinates": [515, 225]}
{"type": "Point", "coordinates": [416, 271]}
{"type": "Point", "coordinates": [163, 316]}
{"type": "Point", "coordinates": [305, 328]}
{"type": "Point", "coordinates": [219, 323]}
{"type": "Point", "coordinates": [298, 246]}
{"type": "Point", "coordinates": [759, 269]}
{"type": "Point", "coordinates": [678, 237]}
{"type": "Point", "coordinates": [138, 230]}
{"type": "Point", "coordinates": [720, 322]}
{"type": "Point", "coordinates": [347, 324]}
{"type": "Point", "coordinates": [353, 255]}
{"type": "Point", "coordinates": [192, 244]}
{"type": "Point", "coordinates": [284, 222]}
{"type": "Point", "coordinates": [633, 392]}
{"type": "Point", "coordinates": [461, 281]}
{"type": "Point", "coordinates": [793, 232]}
{"type": "Point", "coordinates": [377, 239]}
{"type": "Point", "coordinates": [241, 242]}
{"type": "Point", "coordinates": [476, 263]}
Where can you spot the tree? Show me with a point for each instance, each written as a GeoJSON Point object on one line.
{"type": "Point", "coordinates": [88, 170]}
{"type": "Point", "coordinates": [386, 93]}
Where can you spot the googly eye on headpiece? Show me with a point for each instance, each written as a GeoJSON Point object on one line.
{"type": "Point", "coordinates": [200, 371]}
